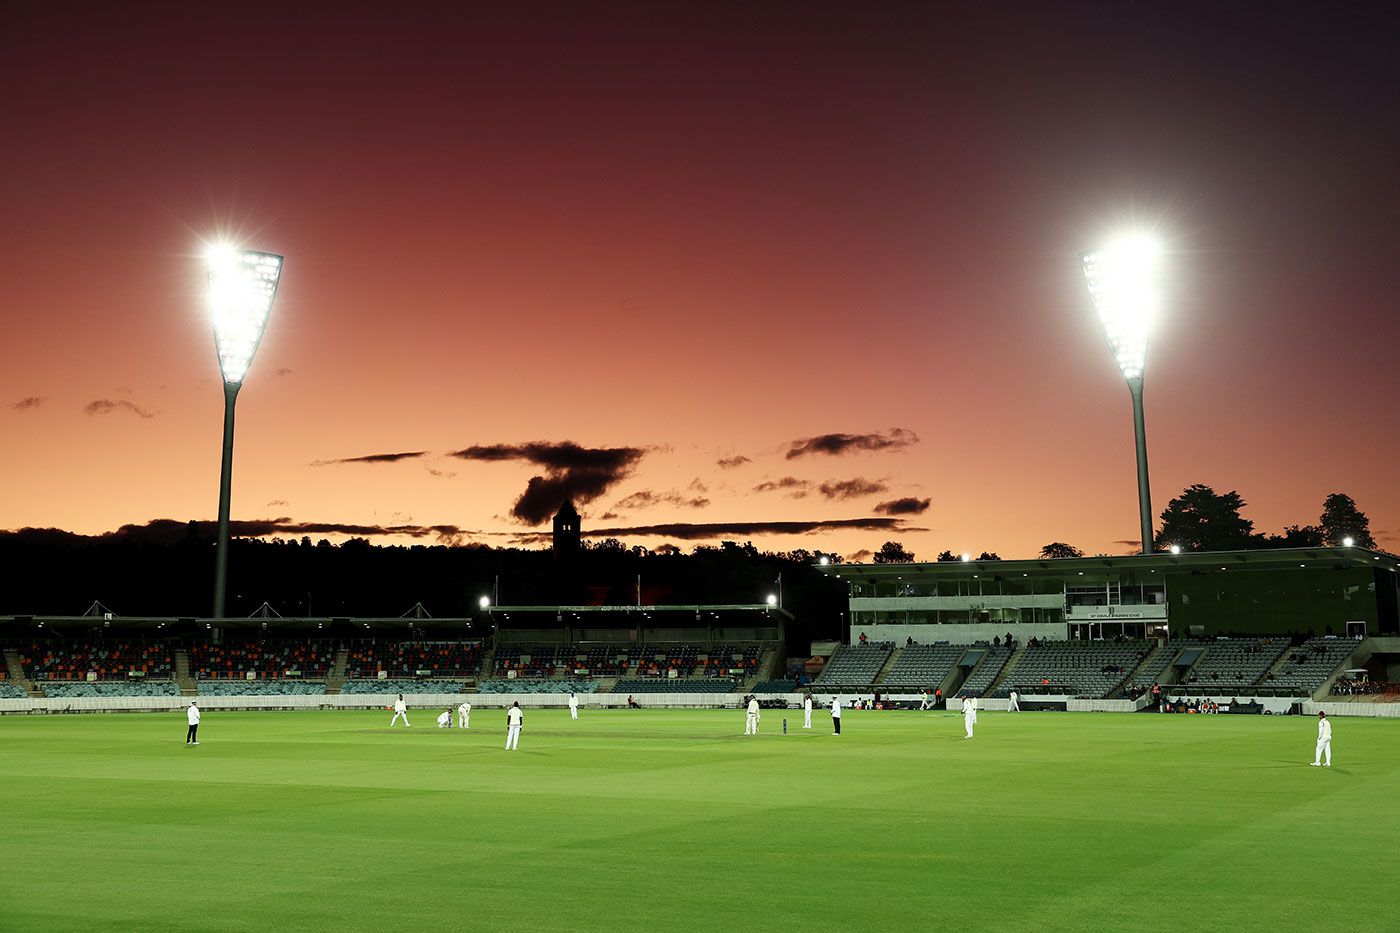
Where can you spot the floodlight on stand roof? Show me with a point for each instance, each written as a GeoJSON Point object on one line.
{"type": "Point", "coordinates": [242, 287]}
{"type": "Point", "coordinates": [1124, 280]}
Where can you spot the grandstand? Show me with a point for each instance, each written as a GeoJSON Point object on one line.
{"type": "Point", "coordinates": [266, 659]}
{"type": "Point", "coordinates": [393, 685]}
{"type": "Point", "coordinates": [1307, 668]}
{"type": "Point", "coordinates": [678, 685]}
{"type": "Point", "coordinates": [56, 660]}
{"type": "Point", "coordinates": [1229, 663]}
{"type": "Point", "coordinates": [988, 668]}
{"type": "Point", "coordinates": [246, 688]}
{"type": "Point", "coordinates": [923, 666]}
{"type": "Point", "coordinates": [1082, 668]}
{"type": "Point", "coordinates": [854, 665]}
{"type": "Point", "coordinates": [538, 686]}
{"type": "Point", "coordinates": [450, 659]}
{"type": "Point", "coordinates": [69, 689]}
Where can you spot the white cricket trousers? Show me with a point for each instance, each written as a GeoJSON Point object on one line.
{"type": "Point", "coordinates": [396, 719]}
{"type": "Point", "coordinates": [806, 719]}
{"type": "Point", "coordinates": [1324, 747]}
{"type": "Point", "coordinates": [512, 737]}
{"type": "Point", "coordinates": [968, 720]}
{"type": "Point", "coordinates": [462, 721]}
{"type": "Point", "coordinates": [1015, 707]}
{"type": "Point", "coordinates": [750, 724]}
{"type": "Point", "coordinates": [573, 712]}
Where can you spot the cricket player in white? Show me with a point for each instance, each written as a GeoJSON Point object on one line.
{"type": "Point", "coordinates": [573, 706]}
{"type": "Point", "coordinates": [192, 717]}
{"type": "Point", "coordinates": [969, 715]}
{"type": "Point", "coordinates": [751, 717]}
{"type": "Point", "coordinates": [836, 715]}
{"type": "Point", "coordinates": [807, 711]}
{"type": "Point", "coordinates": [445, 719]}
{"type": "Point", "coordinates": [464, 715]}
{"type": "Point", "coordinates": [400, 709]}
{"type": "Point", "coordinates": [1324, 740]}
{"type": "Point", "coordinates": [514, 720]}
{"type": "Point", "coordinates": [1015, 706]}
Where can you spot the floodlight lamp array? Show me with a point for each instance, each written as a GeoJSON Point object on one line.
{"type": "Point", "coordinates": [1124, 282]}
{"type": "Point", "coordinates": [242, 286]}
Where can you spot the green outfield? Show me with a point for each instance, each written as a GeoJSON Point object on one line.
{"type": "Point", "coordinates": [646, 820]}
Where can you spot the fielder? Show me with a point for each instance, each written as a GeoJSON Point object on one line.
{"type": "Point", "coordinates": [514, 720]}
{"type": "Point", "coordinates": [192, 717]}
{"type": "Point", "coordinates": [573, 705]}
{"type": "Point", "coordinates": [751, 717]}
{"type": "Point", "coordinates": [1015, 706]}
{"type": "Point", "coordinates": [969, 715]}
{"type": "Point", "coordinates": [1324, 740]}
{"type": "Point", "coordinates": [400, 709]}
{"type": "Point", "coordinates": [807, 711]}
{"type": "Point", "coordinates": [464, 715]}
{"type": "Point", "coordinates": [445, 719]}
{"type": "Point", "coordinates": [836, 715]}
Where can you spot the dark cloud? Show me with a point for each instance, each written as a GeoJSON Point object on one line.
{"type": "Point", "coordinates": [1130, 542]}
{"type": "Point", "coordinates": [794, 487]}
{"type": "Point", "coordinates": [729, 463]}
{"type": "Point", "coordinates": [909, 505]}
{"type": "Point", "coordinates": [170, 531]}
{"type": "Point", "coordinates": [442, 474]}
{"type": "Point", "coordinates": [284, 371]}
{"type": "Point", "coordinates": [105, 406]}
{"type": "Point", "coordinates": [645, 499]}
{"type": "Point", "coordinates": [697, 485]}
{"type": "Point", "coordinates": [374, 458]}
{"type": "Point", "coordinates": [608, 516]}
{"type": "Point", "coordinates": [863, 554]}
{"type": "Point", "coordinates": [851, 488]}
{"type": "Point", "coordinates": [28, 402]}
{"type": "Point", "coordinates": [275, 502]}
{"type": "Point", "coordinates": [837, 444]}
{"type": "Point", "coordinates": [571, 472]}
{"type": "Point", "coordinates": [688, 531]}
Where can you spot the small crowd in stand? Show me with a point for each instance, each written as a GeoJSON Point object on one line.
{"type": "Point", "coordinates": [1356, 686]}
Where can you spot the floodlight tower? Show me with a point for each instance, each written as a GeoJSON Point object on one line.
{"type": "Point", "coordinates": [242, 286]}
{"type": "Point", "coordinates": [1124, 280]}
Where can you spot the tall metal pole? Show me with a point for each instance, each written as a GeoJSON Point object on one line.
{"type": "Point", "coordinates": [225, 485]}
{"type": "Point", "coordinates": [1144, 487]}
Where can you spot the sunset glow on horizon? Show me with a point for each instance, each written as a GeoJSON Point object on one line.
{"type": "Point", "coordinates": [796, 276]}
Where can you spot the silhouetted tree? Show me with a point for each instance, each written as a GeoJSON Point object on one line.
{"type": "Point", "coordinates": [892, 552]}
{"type": "Point", "coordinates": [1296, 536]}
{"type": "Point", "coordinates": [1342, 519]}
{"type": "Point", "coordinates": [946, 556]}
{"type": "Point", "coordinates": [989, 555]}
{"type": "Point", "coordinates": [1057, 550]}
{"type": "Point", "coordinates": [1200, 519]}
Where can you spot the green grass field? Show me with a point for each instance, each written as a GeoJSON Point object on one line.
{"type": "Point", "coordinates": [644, 820]}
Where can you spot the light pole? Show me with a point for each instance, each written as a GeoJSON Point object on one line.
{"type": "Point", "coordinates": [1124, 280]}
{"type": "Point", "coordinates": [242, 286]}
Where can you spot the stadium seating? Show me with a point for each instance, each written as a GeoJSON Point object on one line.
{"type": "Point", "coordinates": [923, 666]}
{"type": "Point", "coordinates": [44, 661]}
{"type": "Point", "coordinates": [987, 671]}
{"type": "Point", "coordinates": [443, 659]}
{"type": "Point", "coordinates": [392, 686]}
{"type": "Point", "coordinates": [1084, 668]}
{"type": "Point", "coordinates": [68, 689]}
{"type": "Point", "coordinates": [11, 691]}
{"type": "Point", "coordinates": [687, 660]}
{"type": "Point", "coordinates": [854, 665]}
{"type": "Point", "coordinates": [673, 685]}
{"type": "Point", "coordinates": [1310, 665]}
{"type": "Point", "coordinates": [1233, 662]}
{"type": "Point", "coordinates": [266, 659]}
{"type": "Point", "coordinates": [776, 686]}
{"type": "Point", "coordinates": [538, 686]}
{"type": "Point", "coordinates": [247, 688]}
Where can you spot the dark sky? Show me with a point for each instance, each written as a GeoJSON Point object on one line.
{"type": "Point", "coordinates": [675, 234]}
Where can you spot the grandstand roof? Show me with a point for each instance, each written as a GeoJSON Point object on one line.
{"type": "Point", "coordinates": [1071, 567]}
{"type": "Point", "coordinates": [645, 610]}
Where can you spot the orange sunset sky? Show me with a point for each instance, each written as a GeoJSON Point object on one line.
{"type": "Point", "coordinates": [695, 233]}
